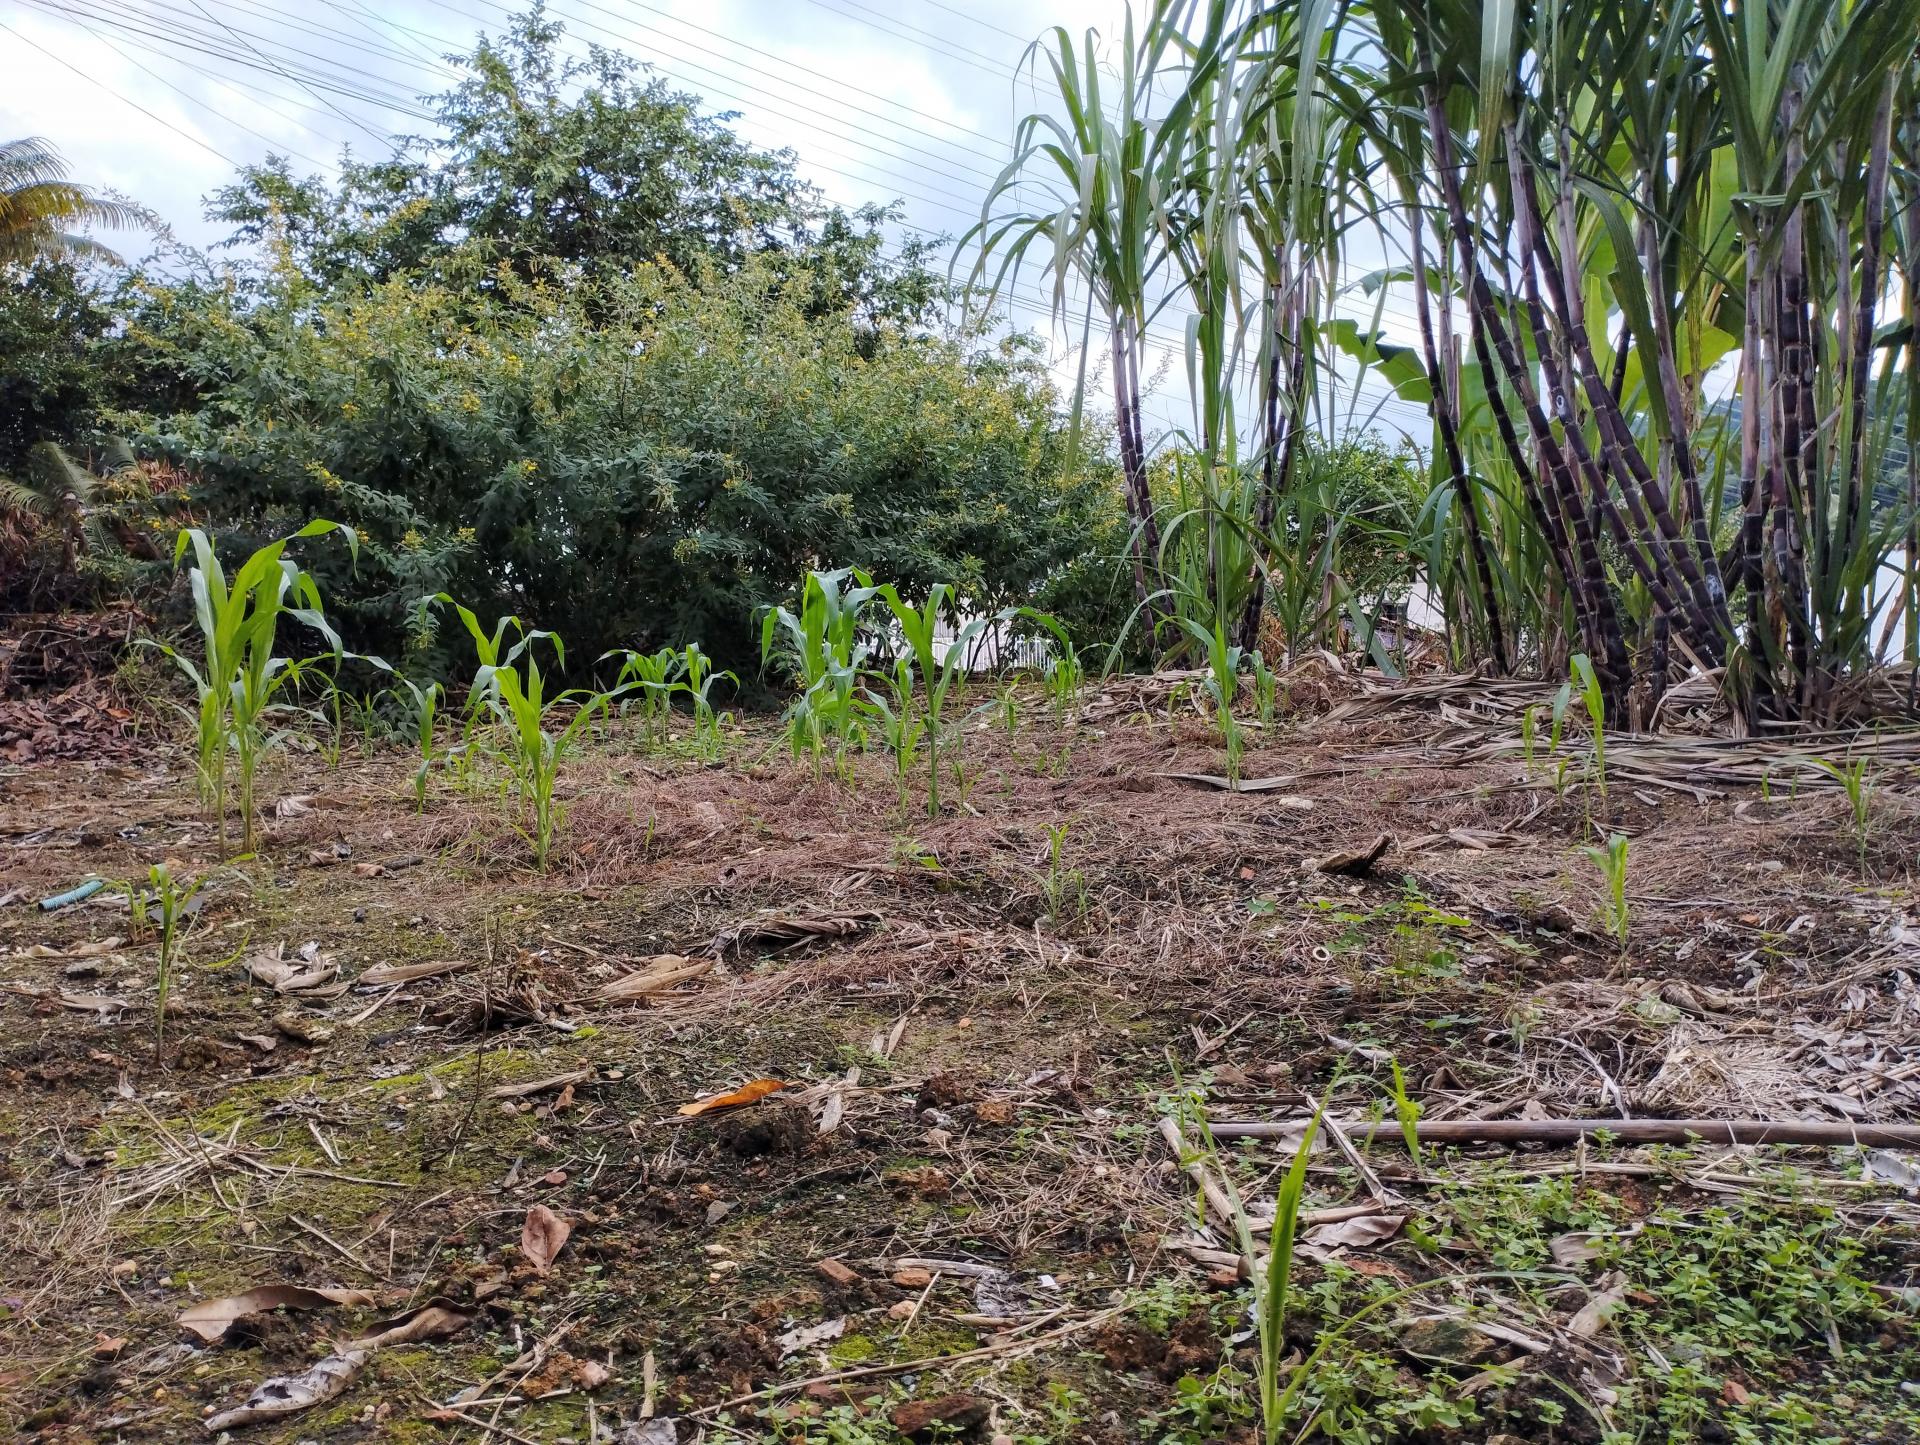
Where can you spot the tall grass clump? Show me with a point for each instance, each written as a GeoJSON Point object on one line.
{"type": "Point", "coordinates": [1658, 261]}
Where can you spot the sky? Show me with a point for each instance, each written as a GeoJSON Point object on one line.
{"type": "Point", "coordinates": [880, 100]}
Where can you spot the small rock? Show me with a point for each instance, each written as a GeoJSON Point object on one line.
{"type": "Point", "coordinates": [900, 1309]}
{"type": "Point", "coordinates": [912, 1278]}
{"type": "Point", "coordinates": [838, 1273]}
{"type": "Point", "coordinates": [957, 1412]}
{"type": "Point", "coordinates": [1451, 1340]}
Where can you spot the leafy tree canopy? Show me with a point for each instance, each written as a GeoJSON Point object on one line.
{"type": "Point", "coordinates": [646, 460]}
{"type": "Point", "coordinates": [548, 162]}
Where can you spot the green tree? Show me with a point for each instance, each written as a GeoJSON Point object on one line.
{"type": "Point", "coordinates": [642, 461]}
{"type": "Point", "coordinates": [38, 205]}
{"type": "Point", "coordinates": [52, 383]}
{"type": "Point", "coordinates": [541, 161]}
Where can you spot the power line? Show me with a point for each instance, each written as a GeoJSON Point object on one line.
{"type": "Point", "coordinates": [173, 39]}
{"type": "Point", "coordinates": [351, 120]}
{"type": "Point", "coordinates": [158, 120]}
{"type": "Point", "coordinates": [1036, 304]}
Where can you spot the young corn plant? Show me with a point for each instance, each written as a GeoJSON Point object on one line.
{"type": "Point", "coordinates": [164, 906]}
{"type": "Point", "coordinates": [1860, 791]}
{"type": "Point", "coordinates": [938, 676]}
{"type": "Point", "coordinates": [1222, 686]}
{"type": "Point", "coordinates": [1273, 1285]}
{"type": "Point", "coordinates": [1008, 706]}
{"type": "Point", "coordinates": [511, 685]}
{"type": "Point", "coordinates": [1586, 681]}
{"type": "Point", "coordinates": [654, 676]}
{"type": "Point", "coordinates": [697, 668]}
{"type": "Point", "coordinates": [1063, 672]}
{"type": "Point", "coordinates": [426, 707]}
{"type": "Point", "coordinates": [1611, 860]}
{"type": "Point", "coordinates": [1065, 888]}
{"type": "Point", "coordinates": [900, 729]}
{"type": "Point", "coordinates": [1266, 691]}
{"type": "Point", "coordinates": [821, 646]}
{"type": "Point", "coordinates": [239, 679]}
{"type": "Point", "coordinates": [1407, 1111]}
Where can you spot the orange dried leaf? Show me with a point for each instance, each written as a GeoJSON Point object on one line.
{"type": "Point", "coordinates": [746, 1094]}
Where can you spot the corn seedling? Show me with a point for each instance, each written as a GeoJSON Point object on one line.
{"type": "Point", "coordinates": [699, 677]}
{"type": "Point", "coordinates": [333, 743]}
{"type": "Point", "coordinates": [1407, 1111]}
{"type": "Point", "coordinates": [1266, 690]}
{"type": "Point", "coordinates": [1529, 727]}
{"type": "Point", "coordinates": [1272, 1285]}
{"type": "Point", "coordinates": [1065, 888]}
{"type": "Point", "coordinates": [1611, 860]}
{"type": "Point", "coordinates": [426, 707]}
{"type": "Point", "coordinates": [1008, 705]}
{"type": "Point", "coordinates": [653, 675]}
{"type": "Point", "coordinates": [513, 687]}
{"type": "Point", "coordinates": [1222, 686]}
{"type": "Point", "coordinates": [1594, 699]}
{"type": "Point", "coordinates": [1064, 674]}
{"type": "Point", "coordinates": [1860, 790]}
{"type": "Point", "coordinates": [821, 646]}
{"type": "Point", "coordinates": [164, 906]}
{"type": "Point", "coordinates": [919, 626]}
{"type": "Point", "coordinates": [900, 730]}
{"type": "Point", "coordinates": [238, 679]}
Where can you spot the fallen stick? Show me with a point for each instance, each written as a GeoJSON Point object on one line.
{"type": "Point", "coordinates": [1222, 1205]}
{"type": "Point", "coordinates": [1625, 1131]}
{"type": "Point", "coordinates": [1196, 1169]}
{"type": "Point", "coordinates": [929, 1362]}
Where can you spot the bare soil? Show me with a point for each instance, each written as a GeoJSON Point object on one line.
{"type": "Point", "coordinates": [1020, 1021]}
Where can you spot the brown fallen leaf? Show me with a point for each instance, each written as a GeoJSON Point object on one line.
{"type": "Point", "coordinates": [290, 1394]}
{"type": "Point", "coordinates": [210, 1319]}
{"type": "Point", "coordinates": [289, 975]}
{"type": "Point", "coordinates": [433, 1321]}
{"type": "Point", "coordinates": [1245, 785]}
{"type": "Point", "coordinates": [1354, 862]}
{"type": "Point", "coordinates": [561, 1372]}
{"type": "Point", "coordinates": [542, 1237]}
{"type": "Point", "coordinates": [301, 1029]}
{"type": "Point", "coordinates": [369, 870]}
{"type": "Point", "coordinates": [746, 1094]}
{"type": "Point", "coordinates": [1368, 1229]}
{"type": "Point", "coordinates": [1606, 1298]}
{"type": "Point", "coordinates": [99, 1003]}
{"type": "Point", "coordinates": [805, 1337]}
{"type": "Point", "coordinates": [99, 948]}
